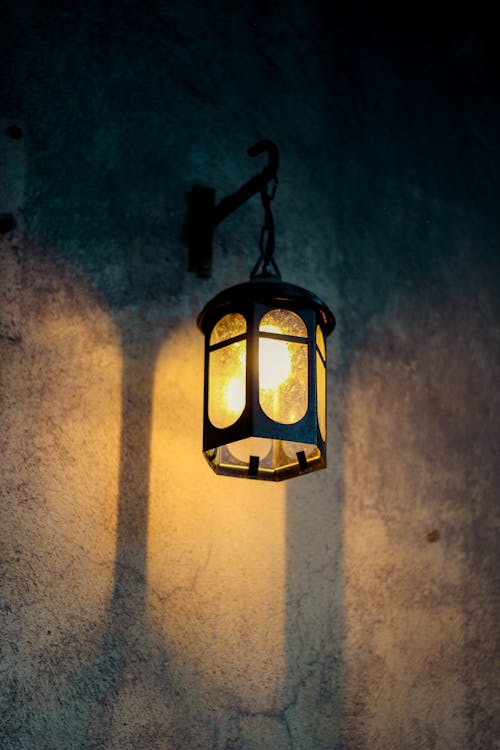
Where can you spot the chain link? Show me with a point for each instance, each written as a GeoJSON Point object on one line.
{"type": "Point", "coordinates": [266, 239]}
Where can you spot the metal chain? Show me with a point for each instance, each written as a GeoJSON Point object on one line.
{"type": "Point", "coordinates": [266, 239]}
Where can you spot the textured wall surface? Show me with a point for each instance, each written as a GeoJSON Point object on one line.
{"type": "Point", "coordinates": [145, 603]}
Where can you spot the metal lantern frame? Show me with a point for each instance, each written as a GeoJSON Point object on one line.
{"type": "Point", "coordinates": [253, 300]}
{"type": "Point", "coordinates": [264, 293]}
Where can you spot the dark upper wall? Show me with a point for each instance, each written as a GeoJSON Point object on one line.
{"type": "Point", "coordinates": [125, 107]}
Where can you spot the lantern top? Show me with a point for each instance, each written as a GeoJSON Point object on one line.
{"type": "Point", "coordinates": [268, 290]}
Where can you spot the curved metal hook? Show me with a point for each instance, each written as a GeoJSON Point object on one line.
{"type": "Point", "coordinates": [270, 171]}
{"type": "Point", "coordinates": [203, 216]}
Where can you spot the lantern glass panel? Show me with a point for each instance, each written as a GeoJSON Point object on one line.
{"type": "Point", "coordinates": [227, 327]}
{"type": "Point", "coordinates": [226, 373]}
{"type": "Point", "coordinates": [283, 366]}
{"type": "Point", "coordinates": [291, 449]}
{"type": "Point", "coordinates": [241, 450]}
{"type": "Point", "coordinates": [274, 459]}
{"type": "Point", "coordinates": [320, 342]}
{"type": "Point", "coordinates": [321, 381]}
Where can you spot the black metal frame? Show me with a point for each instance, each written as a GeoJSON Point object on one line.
{"type": "Point", "coordinates": [203, 215]}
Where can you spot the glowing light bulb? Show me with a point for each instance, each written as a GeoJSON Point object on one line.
{"type": "Point", "coordinates": [275, 362]}
{"type": "Point", "coordinates": [234, 396]}
{"type": "Point", "coordinates": [275, 368]}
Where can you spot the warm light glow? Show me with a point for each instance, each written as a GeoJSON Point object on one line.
{"type": "Point", "coordinates": [227, 396]}
{"type": "Point", "coordinates": [283, 367]}
{"type": "Point", "coordinates": [234, 397]}
{"type": "Point", "coordinates": [275, 367]}
{"type": "Point", "coordinates": [321, 381]}
{"type": "Point", "coordinates": [281, 380]}
{"type": "Point", "coordinates": [216, 551]}
{"type": "Point", "coordinates": [227, 392]}
{"type": "Point", "coordinates": [59, 526]}
{"type": "Point", "coordinates": [275, 361]}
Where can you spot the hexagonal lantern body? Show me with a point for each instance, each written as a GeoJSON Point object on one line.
{"type": "Point", "coordinates": [265, 380]}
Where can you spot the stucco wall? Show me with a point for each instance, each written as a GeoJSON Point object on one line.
{"type": "Point", "coordinates": [146, 603]}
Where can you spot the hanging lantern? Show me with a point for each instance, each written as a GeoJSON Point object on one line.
{"type": "Point", "coordinates": [265, 380]}
{"type": "Point", "coordinates": [265, 368]}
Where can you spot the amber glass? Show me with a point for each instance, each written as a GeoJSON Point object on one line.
{"type": "Point", "coordinates": [226, 373]}
{"type": "Point", "coordinates": [283, 366]}
{"type": "Point", "coordinates": [321, 381]}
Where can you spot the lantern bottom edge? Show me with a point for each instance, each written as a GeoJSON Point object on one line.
{"type": "Point", "coordinates": [265, 458]}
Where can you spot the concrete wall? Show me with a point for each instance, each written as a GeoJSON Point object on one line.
{"type": "Point", "coordinates": [147, 604]}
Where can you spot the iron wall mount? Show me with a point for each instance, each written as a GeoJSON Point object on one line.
{"type": "Point", "coordinates": [203, 215]}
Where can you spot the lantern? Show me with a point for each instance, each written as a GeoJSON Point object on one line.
{"type": "Point", "coordinates": [265, 356]}
{"type": "Point", "coordinates": [265, 380]}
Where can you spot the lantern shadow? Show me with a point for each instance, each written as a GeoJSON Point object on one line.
{"type": "Point", "coordinates": [128, 640]}
{"type": "Point", "coordinates": [155, 591]}
{"type": "Point", "coordinates": [314, 628]}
